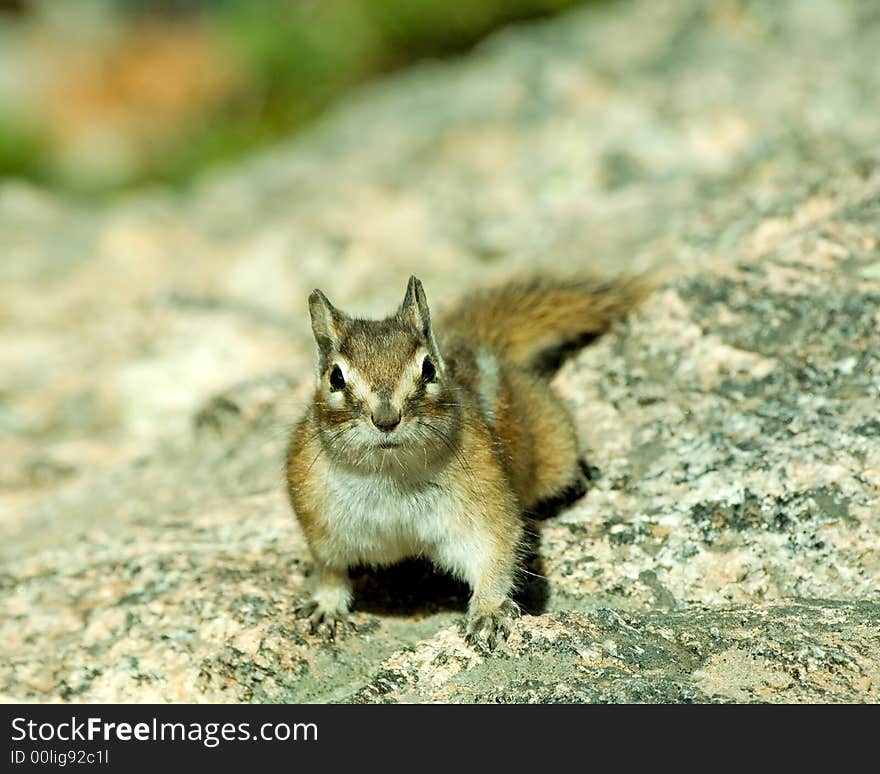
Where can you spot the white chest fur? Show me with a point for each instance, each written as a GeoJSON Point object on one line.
{"type": "Point", "coordinates": [376, 520]}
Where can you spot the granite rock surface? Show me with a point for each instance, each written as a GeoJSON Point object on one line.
{"type": "Point", "coordinates": [155, 351]}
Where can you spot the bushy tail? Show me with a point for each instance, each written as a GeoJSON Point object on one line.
{"type": "Point", "coordinates": [536, 322]}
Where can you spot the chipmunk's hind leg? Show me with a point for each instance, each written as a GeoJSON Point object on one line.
{"type": "Point", "coordinates": [555, 470]}
{"type": "Point", "coordinates": [570, 493]}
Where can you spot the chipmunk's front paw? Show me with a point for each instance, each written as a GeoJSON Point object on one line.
{"type": "Point", "coordinates": [488, 629]}
{"type": "Point", "coordinates": [325, 623]}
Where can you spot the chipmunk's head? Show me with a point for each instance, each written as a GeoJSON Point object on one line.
{"type": "Point", "coordinates": [383, 399]}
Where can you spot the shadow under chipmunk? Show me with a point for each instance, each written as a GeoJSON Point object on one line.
{"type": "Point", "coordinates": [415, 587]}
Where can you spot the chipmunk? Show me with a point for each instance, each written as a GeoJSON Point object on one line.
{"type": "Point", "coordinates": [435, 440]}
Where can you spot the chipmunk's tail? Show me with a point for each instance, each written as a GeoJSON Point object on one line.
{"type": "Point", "coordinates": [537, 322]}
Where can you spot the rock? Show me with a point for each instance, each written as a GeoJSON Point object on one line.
{"type": "Point", "coordinates": [804, 652]}
{"type": "Point", "coordinates": [729, 548]}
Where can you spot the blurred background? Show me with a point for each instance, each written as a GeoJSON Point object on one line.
{"type": "Point", "coordinates": [102, 95]}
{"type": "Point", "coordinates": [177, 175]}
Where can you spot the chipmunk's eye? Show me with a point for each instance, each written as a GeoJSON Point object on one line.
{"type": "Point", "coordinates": [429, 371]}
{"type": "Point", "coordinates": [337, 380]}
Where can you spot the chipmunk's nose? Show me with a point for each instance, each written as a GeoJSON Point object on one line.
{"type": "Point", "coordinates": [386, 418]}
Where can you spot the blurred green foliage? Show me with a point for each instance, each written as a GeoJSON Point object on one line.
{"type": "Point", "coordinates": [301, 56]}
{"type": "Point", "coordinates": [295, 58]}
{"type": "Point", "coordinates": [24, 151]}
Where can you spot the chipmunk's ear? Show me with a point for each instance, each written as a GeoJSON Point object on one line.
{"type": "Point", "coordinates": [327, 322]}
{"type": "Point", "coordinates": [415, 309]}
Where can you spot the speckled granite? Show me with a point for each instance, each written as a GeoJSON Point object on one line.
{"type": "Point", "coordinates": [797, 652]}
{"type": "Point", "coordinates": [154, 353]}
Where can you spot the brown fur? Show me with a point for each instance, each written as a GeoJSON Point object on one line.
{"type": "Point", "coordinates": [527, 321]}
{"type": "Point", "coordinates": [484, 441]}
